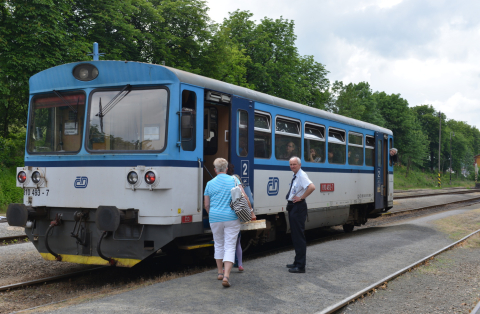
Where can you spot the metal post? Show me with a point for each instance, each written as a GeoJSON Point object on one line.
{"type": "Point", "coordinates": [439, 146]}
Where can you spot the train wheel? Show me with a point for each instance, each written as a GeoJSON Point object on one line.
{"type": "Point", "coordinates": [348, 228]}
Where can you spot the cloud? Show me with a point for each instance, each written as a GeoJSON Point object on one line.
{"type": "Point", "coordinates": [426, 50]}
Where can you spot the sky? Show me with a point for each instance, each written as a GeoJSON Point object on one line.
{"type": "Point", "coordinates": [428, 51]}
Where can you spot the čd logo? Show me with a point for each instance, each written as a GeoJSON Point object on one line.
{"type": "Point", "coordinates": [81, 182]}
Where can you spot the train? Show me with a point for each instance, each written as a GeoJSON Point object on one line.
{"type": "Point", "coordinates": [118, 154]}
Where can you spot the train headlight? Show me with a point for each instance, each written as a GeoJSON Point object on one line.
{"type": "Point", "coordinates": [36, 177]}
{"type": "Point", "coordinates": [21, 176]}
{"type": "Point", "coordinates": [132, 177]}
{"type": "Point", "coordinates": [150, 177]}
{"type": "Point", "coordinates": [85, 72]}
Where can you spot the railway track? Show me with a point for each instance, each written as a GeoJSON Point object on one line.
{"type": "Point", "coordinates": [12, 239]}
{"type": "Point", "coordinates": [359, 294]}
{"type": "Point", "coordinates": [251, 255]}
{"type": "Point", "coordinates": [399, 197]}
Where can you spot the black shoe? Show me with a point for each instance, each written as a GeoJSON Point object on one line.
{"type": "Point", "coordinates": [290, 265]}
{"type": "Point", "coordinates": [297, 270]}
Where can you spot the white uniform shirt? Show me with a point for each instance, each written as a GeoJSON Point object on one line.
{"type": "Point", "coordinates": [300, 185]}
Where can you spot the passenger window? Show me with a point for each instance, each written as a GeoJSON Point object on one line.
{"type": "Point", "coordinates": [262, 136]}
{"type": "Point", "coordinates": [242, 146]}
{"type": "Point", "coordinates": [287, 139]}
{"type": "Point", "coordinates": [369, 151]}
{"type": "Point", "coordinates": [314, 143]}
{"type": "Point", "coordinates": [210, 131]}
{"type": "Point", "coordinates": [336, 146]}
{"type": "Point", "coordinates": [355, 149]}
{"type": "Point", "coordinates": [189, 105]}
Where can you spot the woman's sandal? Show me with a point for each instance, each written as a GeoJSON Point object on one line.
{"type": "Point", "coordinates": [220, 276]}
{"type": "Point", "coordinates": [226, 283]}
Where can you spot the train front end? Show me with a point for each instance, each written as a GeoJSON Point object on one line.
{"type": "Point", "coordinates": [104, 182]}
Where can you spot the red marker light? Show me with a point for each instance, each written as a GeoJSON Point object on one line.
{"type": "Point", "coordinates": [22, 176]}
{"type": "Point", "coordinates": [150, 177]}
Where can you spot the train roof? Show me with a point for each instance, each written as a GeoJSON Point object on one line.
{"type": "Point", "coordinates": [220, 86]}
{"type": "Point", "coordinates": [132, 72]}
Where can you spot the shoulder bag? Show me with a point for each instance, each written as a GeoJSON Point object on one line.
{"type": "Point", "coordinates": [239, 204]}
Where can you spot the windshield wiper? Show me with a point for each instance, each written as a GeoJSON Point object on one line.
{"type": "Point", "coordinates": [65, 101]}
{"type": "Point", "coordinates": [115, 100]}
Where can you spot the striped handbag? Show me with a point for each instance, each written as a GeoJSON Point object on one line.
{"type": "Point", "coordinates": [240, 206]}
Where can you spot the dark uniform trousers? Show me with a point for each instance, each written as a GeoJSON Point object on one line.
{"type": "Point", "coordinates": [297, 215]}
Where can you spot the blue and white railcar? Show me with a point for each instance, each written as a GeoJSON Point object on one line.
{"type": "Point", "coordinates": [118, 155]}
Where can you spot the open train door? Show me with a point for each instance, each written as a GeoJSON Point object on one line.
{"type": "Point", "coordinates": [381, 170]}
{"type": "Point", "coordinates": [241, 139]}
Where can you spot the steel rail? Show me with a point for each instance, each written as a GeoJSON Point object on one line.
{"type": "Point", "coordinates": [47, 279]}
{"type": "Point", "coordinates": [433, 194]}
{"type": "Point", "coordinates": [379, 283]}
{"type": "Point", "coordinates": [11, 238]}
{"type": "Point", "coordinates": [429, 207]}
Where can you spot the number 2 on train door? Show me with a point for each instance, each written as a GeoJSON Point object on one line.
{"type": "Point", "coordinates": [244, 175]}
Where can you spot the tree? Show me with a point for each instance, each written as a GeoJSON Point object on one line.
{"type": "Point", "coordinates": [34, 35]}
{"type": "Point", "coordinates": [355, 101]}
{"type": "Point", "coordinates": [396, 113]}
{"type": "Point", "coordinates": [416, 152]}
{"type": "Point", "coordinates": [275, 66]}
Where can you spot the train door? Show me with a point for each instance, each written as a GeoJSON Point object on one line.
{"type": "Point", "coordinates": [381, 170]}
{"type": "Point", "coordinates": [242, 142]}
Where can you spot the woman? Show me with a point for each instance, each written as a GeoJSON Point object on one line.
{"type": "Point", "coordinates": [314, 157]}
{"type": "Point", "coordinates": [224, 222]}
{"type": "Point", "coordinates": [238, 247]}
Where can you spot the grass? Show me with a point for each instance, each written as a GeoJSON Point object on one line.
{"type": "Point", "coordinates": [459, 226]}
{"type": "Point", "coordinates": [418, 179]}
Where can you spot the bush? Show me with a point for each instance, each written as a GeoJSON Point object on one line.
{"type": "Point", "coordinates": [12, 150]}
{"type": "Point", "coordinates": [9, 192]}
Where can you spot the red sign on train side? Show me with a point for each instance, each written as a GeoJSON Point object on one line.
{"type": "Point", "coordinates": [327, 187]}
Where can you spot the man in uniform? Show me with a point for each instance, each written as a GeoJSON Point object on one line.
{"type": "Point", "coordinates": [300, 188]}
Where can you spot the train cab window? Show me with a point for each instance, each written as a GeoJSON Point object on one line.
{"type": "Point", "coordinates": [242, 142]}
{"type": "Point", "coordinates": [314, 143]}
{"type": "Point", "coordinates": [336, 146]}
{"type": "Point", "coordinates": [128, 120]}
{"type": "Point", "coordinates": [287, 138]}
{"type": "Point", "coordinates": [355, 149]}
{"type": "Point", "coordinates": [189, 105]}
{"type": "Point", "coordinates": [262, 135]}
{"type": "Point", "coordinates": [56, 123]}
{"type": "Point", "coordinates": [210, 131]}
{"type": "Point", "coordinates": [369, 151]}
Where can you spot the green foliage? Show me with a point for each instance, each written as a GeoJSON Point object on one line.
{"type": "Point", "coordinates": [275, 66]}
{"type": "Point", "coordinates": [9, 193]}
{"type": "Point", "coordinates": [425, 179]}
{"type": "Point", "coordinates": [12, 150]}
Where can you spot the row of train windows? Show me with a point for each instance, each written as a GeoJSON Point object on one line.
{"type": "Point", "coordinates": [288, 141]}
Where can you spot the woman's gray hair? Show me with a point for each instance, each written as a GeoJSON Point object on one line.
{"type": "Point", "coordinates": [394, 149]}
{"type": "Point", "coordinates": [220, 164]}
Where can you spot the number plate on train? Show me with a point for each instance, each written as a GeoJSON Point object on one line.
{"type": "Point", "coordinates": [35, 192]}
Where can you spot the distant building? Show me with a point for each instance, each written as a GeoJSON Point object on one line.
{"type": "Point", "coordinates": [477, 160]}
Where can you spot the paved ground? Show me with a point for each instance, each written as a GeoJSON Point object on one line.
{"type": "Point", "coordinates": [335, 270]}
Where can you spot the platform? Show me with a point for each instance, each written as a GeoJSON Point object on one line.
{"type": "Point", "coordinates": [335, 269]}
